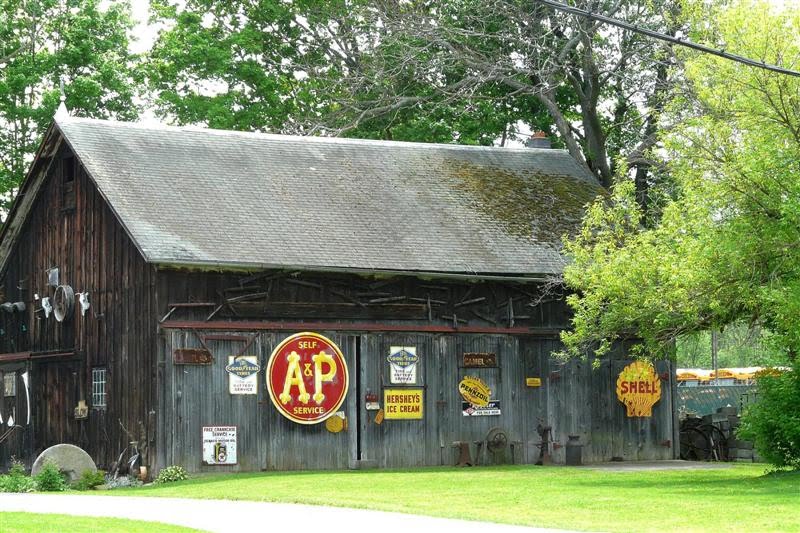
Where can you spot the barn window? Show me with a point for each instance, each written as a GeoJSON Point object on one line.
{"type": "Point", "coordinates": [68, 183]}
{"type": "Point", "coordinates": [10, 384]}
{"type": "Point", "coordinates": [99, 388]}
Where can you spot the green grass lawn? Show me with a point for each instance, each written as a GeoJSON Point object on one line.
{"type": "Point", "coordinates": [59, 523]}
{"type": "Point", "coordinates": [740, 498]}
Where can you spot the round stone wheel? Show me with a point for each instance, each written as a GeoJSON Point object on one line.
{"type": "Point", "coordinates": [71, 460]}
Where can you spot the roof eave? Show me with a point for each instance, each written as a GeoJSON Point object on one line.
{"type": "Point", "coordinates": [167, 264]}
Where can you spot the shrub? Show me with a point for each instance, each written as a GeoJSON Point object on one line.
{"type": "Point", "coordinates": [772, 422]}
{"type": "Point", "coordinates": [123, 482]}
{"type": "Point", "coordinates": [17, 480]}
{"type": "Point", "coordinates": [90, 480]}
{"type": "Point", "coordinates": [50, 479]}
{"type": "Point", "coordinates": [170, 474]}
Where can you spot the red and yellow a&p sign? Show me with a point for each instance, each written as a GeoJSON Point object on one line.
{"type": "Point", "coordinates": [639, 388]}
{"type": "Point", "coordinates": [307, 378]}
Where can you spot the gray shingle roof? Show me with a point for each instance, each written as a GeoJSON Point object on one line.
{"type": "Point", "coordinates": [208, 197]}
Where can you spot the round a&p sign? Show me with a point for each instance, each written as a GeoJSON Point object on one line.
{"type": "Point", "coordinates": [307, 378]}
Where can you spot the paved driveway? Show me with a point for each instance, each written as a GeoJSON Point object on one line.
{"type": "Point", "coordinates": [241, 517]}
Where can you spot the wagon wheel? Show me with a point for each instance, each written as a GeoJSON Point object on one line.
{"type": "Point", "coordinates": [718, 442]}
{"type": "Point", "coordinates": [694, 445]}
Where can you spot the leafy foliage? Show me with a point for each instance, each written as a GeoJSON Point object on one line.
{"type": "Point", "coordinates": [90, 480]}
{"type": "Point", "coordinates": [17, 480]}
{"type": "Point", "coordinates": [726, 246]}
{"type": "Point", "coordinates": [465, 71]}
{"type": "Point", "coordinates": [50, 478]}
{"type": "Point", "coordinates": [738, 346]}
{"type": "Point", "coordinates": [170, 474]}
{"type": "Point", "coordinates": [773, 421]}
{"type": "Point", "coordinates": [83, 42]}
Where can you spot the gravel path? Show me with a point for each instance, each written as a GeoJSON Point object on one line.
{"type": "Point", "coordinates": [242, 517]}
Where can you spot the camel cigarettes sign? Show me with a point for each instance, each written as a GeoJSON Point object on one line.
{"type": "Point", "coordinates": [307, 378]}
{"type": "Point", "coordinates": [639, 388]}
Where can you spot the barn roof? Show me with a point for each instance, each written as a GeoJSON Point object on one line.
{"type": "Point", "coordinates": [224, 199]}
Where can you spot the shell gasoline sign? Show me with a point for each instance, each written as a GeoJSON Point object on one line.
{"type": "Point", "coordinates": [639, 388]}
{"type": "Point", "coordinates": [307, 378]}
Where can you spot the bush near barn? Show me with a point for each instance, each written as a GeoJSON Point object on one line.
{"type": "Point", "coordinates": [773, 421]}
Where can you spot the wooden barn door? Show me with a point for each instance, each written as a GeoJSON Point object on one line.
{"type": "Point", "coordinates": [196, 394]}
{"type": "Point", "coordinates": [441, 367]}
{"type": "Point", "coordinates": [55, 391]}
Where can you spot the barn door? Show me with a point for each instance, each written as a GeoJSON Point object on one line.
{"type": "Point", "coordinates": [57, 387]}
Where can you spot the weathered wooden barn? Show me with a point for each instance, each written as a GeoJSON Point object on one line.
{"type": "Point", "coordinates": [149, 272]}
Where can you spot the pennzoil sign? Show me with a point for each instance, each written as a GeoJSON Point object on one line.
{"type": "Point", "coordinates": [307, 378]}
{"type": "Point", "coordinates": [639, 388]}
{"type": "Point", "coordinates": [475, 391]}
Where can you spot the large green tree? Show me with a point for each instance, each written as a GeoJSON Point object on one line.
{"type": "Point", "coordinates": [291, 67]}
{"type": "Point", "coordinates": [727, 246]}
{"type": "Point", "coordinates": [42, 42]}
{"type": "Point", "coordinates": [601, 88]}
{"type": "Point", "coordinates": [465, 71]}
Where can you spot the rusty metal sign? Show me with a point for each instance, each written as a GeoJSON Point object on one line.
{"type": "Point", "coordinates": [192, 356]}
{"type": "Point", "coordinates": [479, 360]}
{"type": "Point", "coordinates": [307, 378]}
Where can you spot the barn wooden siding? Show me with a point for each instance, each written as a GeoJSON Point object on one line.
{"type": "Point", "coordinates": [162, 405]}
{"type": "Point", "coordinates": [576, 399]}
{"type": "Point", "coordinates": [71, 227]}
{"type": "Point", "coordinates": [286, 296]}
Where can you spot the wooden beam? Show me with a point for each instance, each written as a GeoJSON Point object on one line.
{"type": "Point", "coordinates": [343, 326]}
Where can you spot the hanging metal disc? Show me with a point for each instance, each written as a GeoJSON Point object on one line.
{"type": "Point", "coordinates": [63, 302]}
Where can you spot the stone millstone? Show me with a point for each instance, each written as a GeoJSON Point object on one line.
{"type": "Point", "coordinates": [71, 460]}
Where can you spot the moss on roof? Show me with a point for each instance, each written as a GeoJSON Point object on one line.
{"type": "Point", "coordinates": [525, 203]}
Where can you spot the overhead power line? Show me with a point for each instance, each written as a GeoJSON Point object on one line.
{"type": "Point", "coordinates": [668, 38]}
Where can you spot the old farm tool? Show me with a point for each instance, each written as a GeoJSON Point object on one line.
{"type": "Point", "coordinates": [546, 434]}
{"type": "Point", "coordinates": [496, 440]}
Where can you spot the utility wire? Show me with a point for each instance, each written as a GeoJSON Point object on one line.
{"type": "Point", "coordinates": [674, 40]}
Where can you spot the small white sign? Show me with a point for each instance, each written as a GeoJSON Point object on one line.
{"type": "Point", "coordinates": [219, 445]}
{"type": "Point", "coordinates": [243, 374]}
{"type": "Point", "coordinates": [403, 364]}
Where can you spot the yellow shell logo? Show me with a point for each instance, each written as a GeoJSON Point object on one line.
{"type": "Point", "coordinates": [475, 391]}
{"type": "Point", "coordinates": [639, 388]}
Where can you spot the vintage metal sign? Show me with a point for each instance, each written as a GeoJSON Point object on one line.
{"type": "Point", "coordinates": [403, 364]}
{"type": "Point", "coordinates": [639, 388]}
{"type": "Point", "coordinates": [479, 360]}
{"type": "Point", "coordinates": [492, 408]}
{"type": "Point", "coordinates": [243, 374]}
{"type": "Point", "coordinates": [403, 404]}
{"type": "Point", "coordinates": [307, 378]}
{"type": "Point", "coordinates": [475, 391]}
{"type": "Point", "coordinates": [192, 356]}
{"type": "Point", "coordinates": [219, 445]}
{"type": "Point", "coordinates": [533, 382]}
